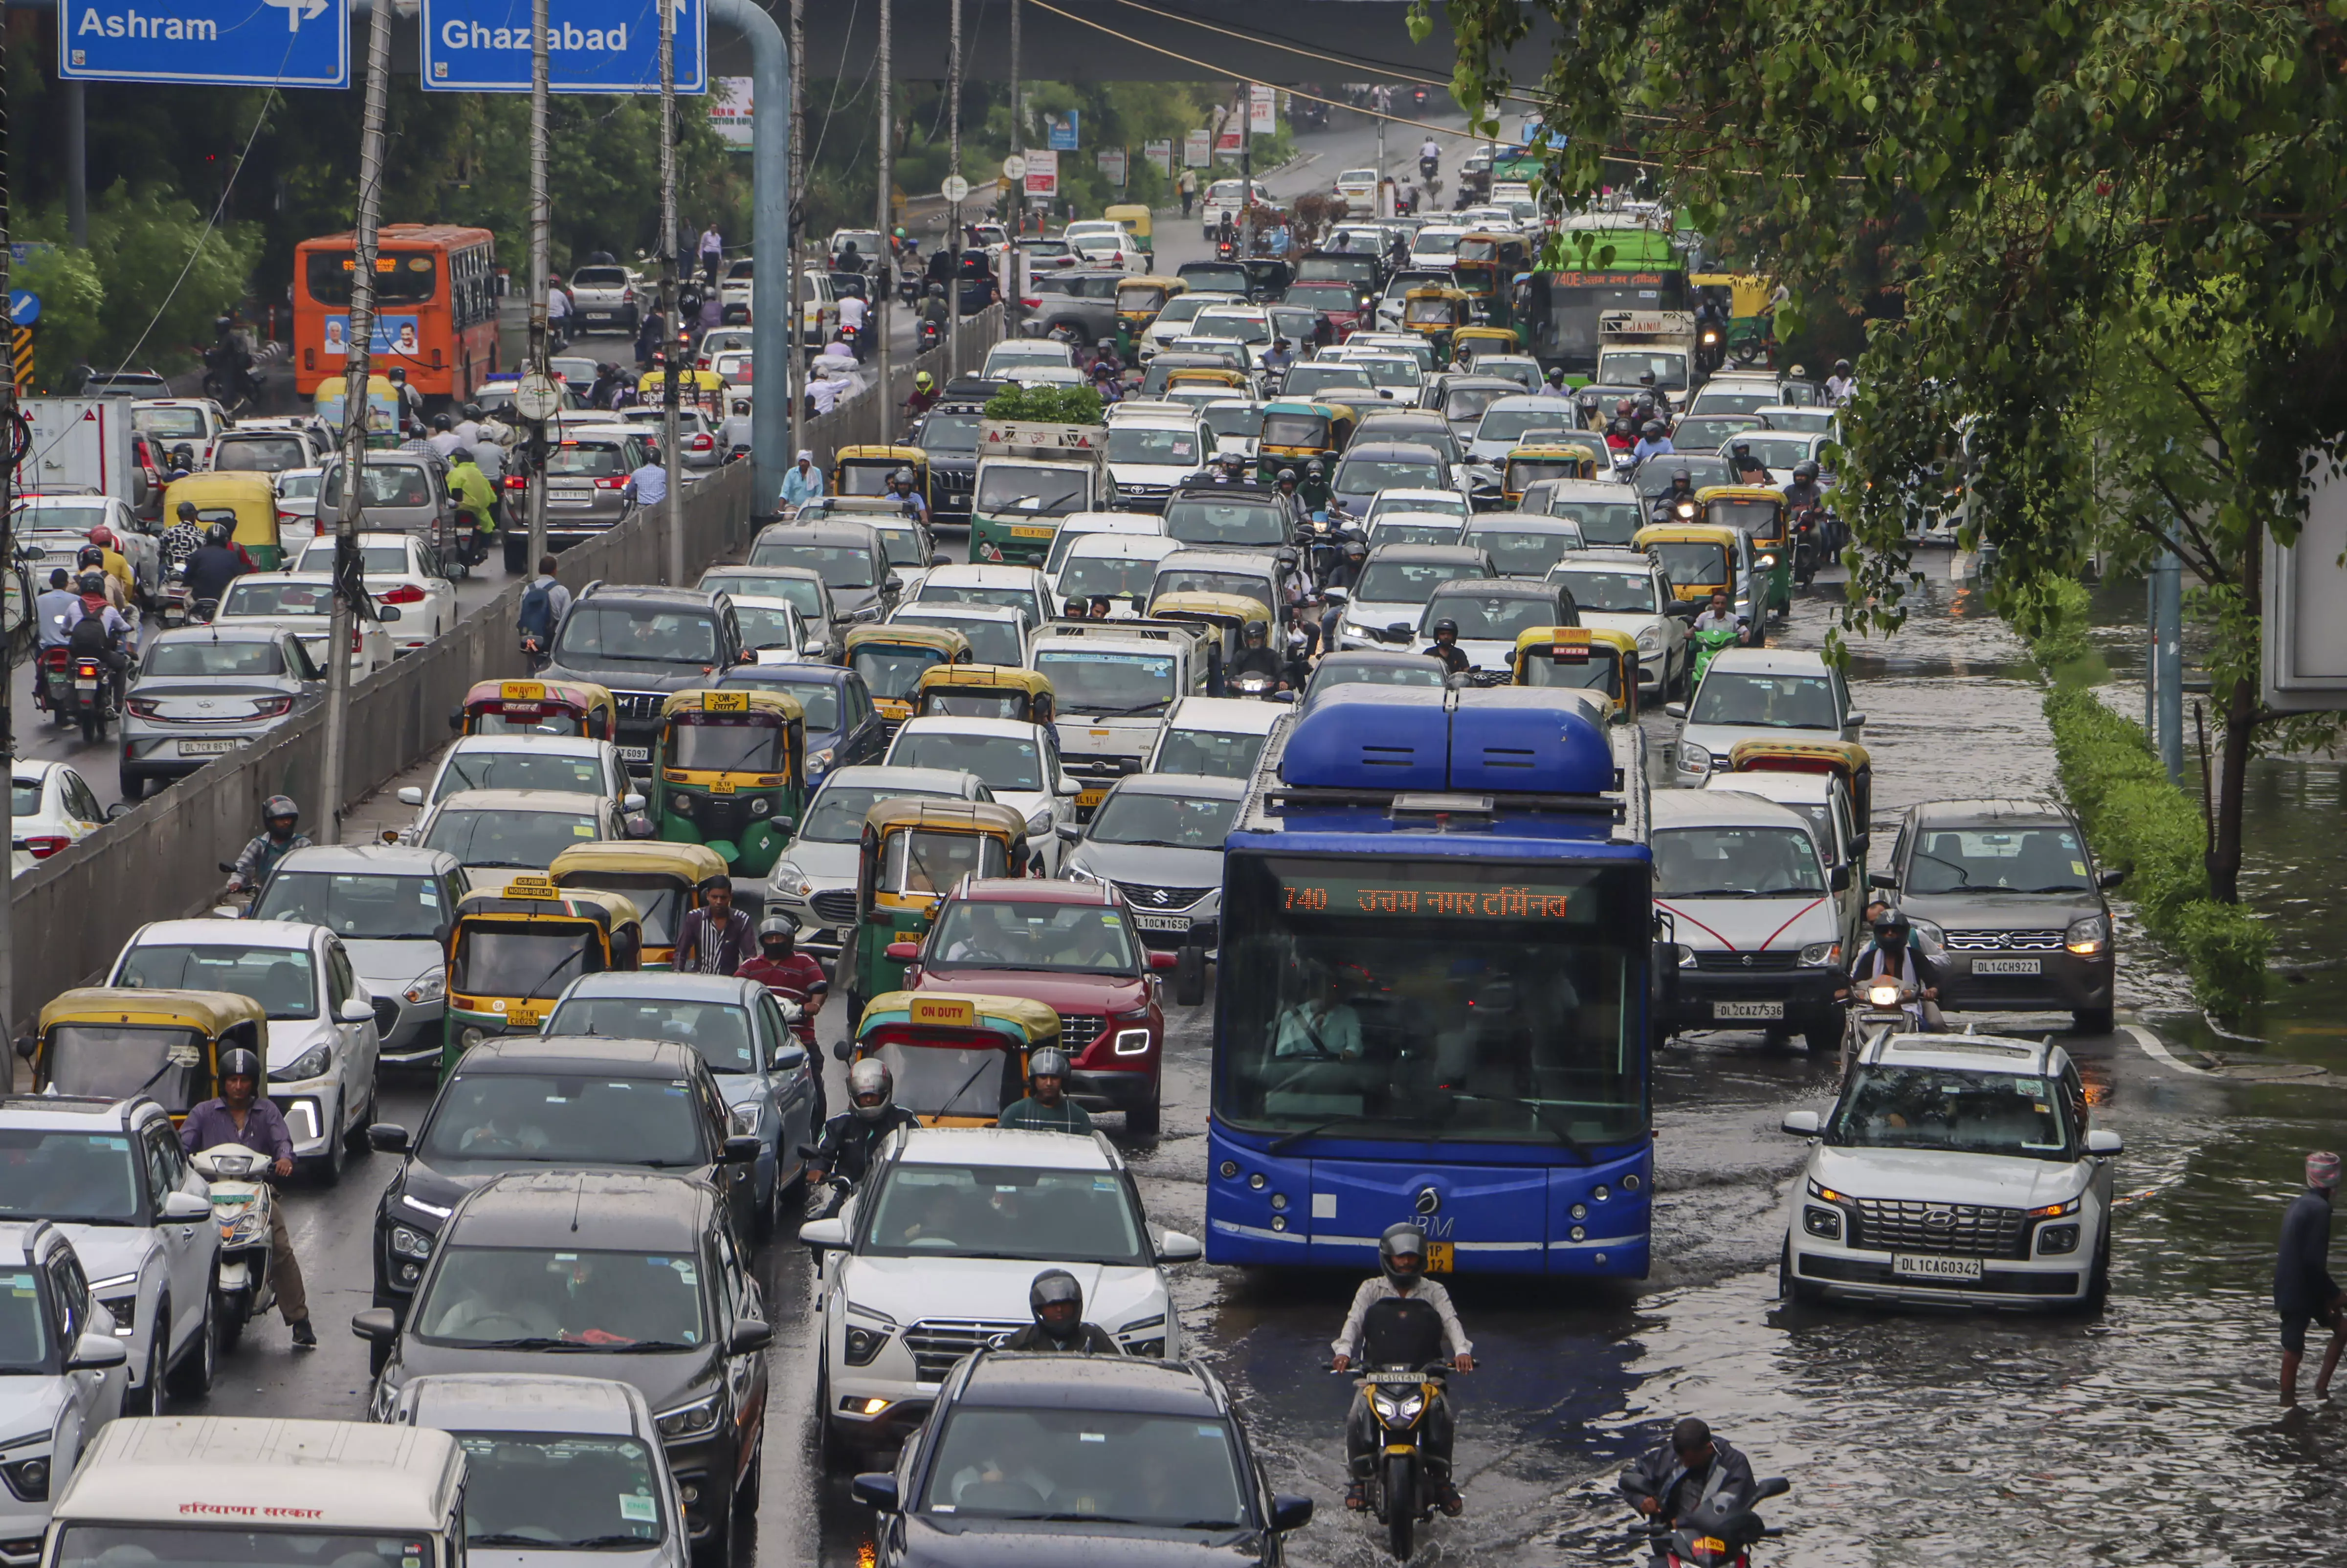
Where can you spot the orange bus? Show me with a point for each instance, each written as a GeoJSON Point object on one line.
{"type": "Point", "coordinates": [436, 303]}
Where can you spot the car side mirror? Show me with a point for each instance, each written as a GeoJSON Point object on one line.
{"type": "Point", "coordinates": [387, 1138]}
{"type": "Point", "coordinates": [939, 557]}
{"type": "Point", "coordinates": [1840, 879]}
{"type": "Point", "coordinates": [412, 796]}
{"type": "Point", "coordinates": [1068, 831]}
{"type": "Point", "coordinates": [354, 1010]}
{"type": "Point", "coordinates": [24, 1046]}
{"type": "Point", "coordinates": [789, 1057]}
{"type": "Point", "coordinates": [1068, 785]}
{"type": "Point", "coordinates": [631, 803]}
{"type": "Point", "coordinates": [1290, 1511]}
{"type": "Point", "coordinates": [1675, 710]}
{"type": "Point", "coordinates": [822, 1234]}
{"type": "Point", "coordinates": [2109, 879]}
{"type": "Point", "coordinates": [742, 1151]}
{"type": "Point", "coordinates": [814, 645]}
{"type": "Point", "coordinates": [119, 810]}
{"type": "Point", "coordinates": [751, 1335]}
{"type": "Point", "coordinates": [98, 1352]}
{"type": "Point", "coordinates": [183, 1208]}
{"type": "Point", "coordinates": [1179, 1246]}
{"type": "Point", "coordinates": [1853, 721]}
{"type": "Point", "coordinates": [1887, 880]}
{"type": "Point", "coordinates": [903, 952]}
{"type": "Point", "coordinates": [877, 1491]}
{"type": "Point", "coordinates": [1801, 1124]}
{"type": "Point", "coordinates": [2102, 1140]}
{"type": "Point", "coordinates": [376, 1325]}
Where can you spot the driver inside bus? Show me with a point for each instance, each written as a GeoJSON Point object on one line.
{"type": "Point", "coordinates": [1321, 1026]}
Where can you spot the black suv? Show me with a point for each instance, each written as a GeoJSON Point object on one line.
{"type": "Point", "coordinates": [522, 1102]}
{"type": "Point", "coordinates": [947, 435]}
{"type": "Point", "coordinates": [644, 642]}
{"type": "Point", "coordinates": [631, 1276]}
{"type": "Point", "coordinates": [1046, 1460]}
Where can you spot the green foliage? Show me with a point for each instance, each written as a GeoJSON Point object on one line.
{"type": "Point", "coordinates": [145, 292]}
{"type": "Point", "coordinates": [1047, 404]}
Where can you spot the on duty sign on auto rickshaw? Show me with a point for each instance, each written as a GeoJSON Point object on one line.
{"type": "Point", "coordinates": [957, 1057]}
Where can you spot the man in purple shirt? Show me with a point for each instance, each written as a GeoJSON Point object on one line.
{"type": "Point", "coordinates": [241, 1116]}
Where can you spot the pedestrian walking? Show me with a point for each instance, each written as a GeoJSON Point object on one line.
{"type": "Point", "coordinates": [1188, 186]}
{"type": "Point", "coordinates": [712, 251]}
{"type": "Point", "coordinates": [2305, 1292]}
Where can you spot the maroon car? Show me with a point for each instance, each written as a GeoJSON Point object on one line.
{"type": "Point", "coordinates": [1071, 945]}
{"type": "Point", "coordinates": [1346, 307]}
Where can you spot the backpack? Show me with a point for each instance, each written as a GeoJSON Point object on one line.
{"type": "Point", "coordinates": [89, 638]}
{"type": "Point", "coordinates": [535, 620]}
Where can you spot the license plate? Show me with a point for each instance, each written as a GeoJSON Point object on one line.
{"type": "Point", "coordinates": [558, 501]}
{"type": "Point", "coordinates": [1923, 1266]}
{"type": "Point", "coordinates": [1162, 922]}
{"type": "Point", "coordinates": [1391, 1379]}
{"type": "Point", "coordinates": [1022, 533]}
{"type": "Point", "coordinates": [1438, 1257]}
{"type": "Point", "coordinates": [2007, 965]}
{"type": "Point", "coordinates": [207, 748]}
{"type": "Point", "coordinates": [720, 787]}
{"type": "Point", "coordinates": [1748, 1009]}
{"type": "Point", "coordinates": [1088, 798]}
{"type": "Point", "coordinates": [85, 685]}
{"type": "Point", "coordinates": [635, 754]}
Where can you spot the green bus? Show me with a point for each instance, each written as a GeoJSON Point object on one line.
{"type": "Point", "coordinates": [1628, 269]}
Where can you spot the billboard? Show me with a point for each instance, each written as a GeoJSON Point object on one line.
{"type": "Point", "coordinates": [1110, 163]}
{"type": "Point", "coordinates": [1042, 174]}
{"type": "Point", "coordinates": [1263, 110]}
{"type": "Point", "coordinates": [1197, 149]}
{"type": "Point", "coordinates": [1160, 152]}
{"type": "Point", "coordinates": [730, 102]}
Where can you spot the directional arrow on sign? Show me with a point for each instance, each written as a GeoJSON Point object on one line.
{"type": "Point", "coordinates": [298, 11]}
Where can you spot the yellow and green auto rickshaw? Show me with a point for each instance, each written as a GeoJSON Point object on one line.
{"type": "Point", "coordinates": [913, 853]}
{"type": "Point", "coordinates": [1846, 760]}
{"type": "Point", "coordinates": [1749, 299]}
{"type": "Point", "coordinates": [246, 502]}
{"type": "Point", "coordinates": [1551, 459]}
{"type": "Point", "coordinates": [984, 692]}
{"type": "Point", "coordinates": [1234, 382]}
{"type": "Point", "coordinates": [111, 1042]}
{"type": "Point", "coordinates": [662, 879]}
{"type": "Point", "coordinates": [1134, 216]}
{"type": "Point", "coordinates": [382, 406]}
{"type": "Point", "coordinates": [1484, 265]}
{"type": "Point", "coordinates": [957, 1057]}
{"type": "Point", "coordinates": [730, 768]}
{"type": "Point", "coordinates": [1760, 514]}
{"type": "Point", "coordinates": [1434, 314]}
{"type": "Point", "coordinates": [537, 708]}
{"type": "Point", "coordinates": [1700, 559]}
{"type": "Point", "coordinates": [1296, 433]}
{"type": "Point", "coordinates": [703, 390]}
{"type": "Point", "coordinates": [1586, 657]}
{"type": "Point", "coordinates": [516, 944]}
{"type": "Point", "coordinates": [1139, 298]}
{"type": "Point", "coordinates": [867, 470]}
{"type": "Point", "coordinates": [893, 656]}
{"type": "Point", "coordinates": [1227, 615]}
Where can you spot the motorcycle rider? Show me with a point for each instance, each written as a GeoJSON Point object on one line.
{"type": "Point", "coordinates": [1622, 430]}
{"type": "Point", "coordinates": [1047, 1108]}
{"type": "Point", "coordinates": [280, 837]}
{"type": "Point", "coordinates": [787, 973]}
{"type": "Point", "coordinates": [1554, 385]}
{"type": "Point", "coordinates": [1314, 486]}
{"type": "Point", "coordinates": [410, 402]}
{"type": "Point", "coordinates": [1893, 953]}
{"type": "Point", "coordinates": [1745, 468]}
{"type": "Point", "coordinates": [1429, 157]}
{"type": "Point", "coordinates": [215, 564]}
{"type": "Point", "coordinates": [180, 539]}
{"type": "Point", "coordinates": [900, 485]}
{"type": "Point", "coordinates": [1841, 384]}
{"type": "Point", "coordinates": [1059, 1330]}
{"type": "Point", "coordinates": [1401, 1264]}
{"type": "Point", "coordinates": [101, 632]}
{"type": "Point", "coordinates": [59, 608]}
{"type": "Point", "coordinates": [1257, 658]}
{"type": "Point", "coordinates": [1280, 357]}
{"type": "Point", "coordinates": [241, 1116]}
{"type": "Point", "coordinates": [113, 589]}
{"type": "Point", "coordinates": [444, 438]}
{"type": "Point", "coordinates": [1445, 646]}
{"type": "Point", "coordinates": [475, 498]}
{"type": "Point", "coordinates": [934, 307]}
{"type": "Point", "coordinates": [1653, 441]}
{"type": "Point", "coordinates": [1718, 616]}
{"type": "Point", "coordinates": [1289, 490]}
{"type": "Point", "coordinates": [231, 364]}
{"type": "Point", "coordinates": [924, 397]}
{"type": "Point", "coordinates": [851, 1138]}
{"type": "Point", "coordinates": [1691, 1469]}
{"type": "Point", "coordinates": [1666, 505]}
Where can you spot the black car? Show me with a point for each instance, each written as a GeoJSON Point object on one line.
{"type": "Point", "coordinates": [631, 1275]}
{"type": "Point", "coordinates": [520, 1102]}
{"type": "Point", "coordinates": [1052, 1461]}
{"type": "Point", "coordinates": [947, 435]}
{"type": "Point", "coordinates": [1207, 515]}
{"type": "Point", "coordinates": [2010, 890]}
{"type": "Point", "coordinates": [849, 555]}
{"type": "Point", "coordinates": [642, 643]}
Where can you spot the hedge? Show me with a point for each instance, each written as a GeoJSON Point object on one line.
{"type": "Point", "coordinates": [1047, 404]}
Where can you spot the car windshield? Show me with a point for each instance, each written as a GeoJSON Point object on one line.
{"type": "Point", "coordinates": [1320, 296]}
{"type": "Point", "coordinates": [262, 595]}
{"type": "Point", "coordinates": [1339, 670]}
{"type": "Point", "coordinates": [484, 769]}
{"type": "Point", "coordinates": [1118, 576]}
{"type": "Point", "coordinates": [207, 657]}
{"type": "Point", "coordinates": [992, 641]}
{"type": "Point", "coordinates": [1729, 862]}
{"type": "Point", "coordinates": [1167, 448]}
{"type": "Point", "coordinates": [1447, 502]}
{"type": "Point", "coordinates": [1004, 762]}
{"type": "Point", "coordinates": [1627, 592]}
{"type": "Point", "coordinates": [85, 1178]}
{"type": "Point", "coordinates": [1622, 368]}
{"type": "Point", "coordinates": [60, 516]}
{"type": "Point", "coordinates": [954, 434]}
{"type": "Point", "coordinates": [1037, 492]}
{"type": "Point", "coordinates": [1407, 583]}
{"type": "Point", "coordinates": [214, 1544]}
{"type": "Point", "coordinates": [766, 626]}
{"type": "Point", "coordinates": [1468, 403]}
{"type": "Point", "coordinates": [1613, 523]}
{"type": "Point", "coordinates": [1206, 520]}
{"type": "Point", "coordinates": [1217, 753]}
{"type": "Point", "coordinates": [1766, 702]}
{"type": "Point", "coordinates": [1724, 401]}
{"type": "Point", "coordinates": [893, 672]}
{"type": "Point", "coordinates": [804, 594]}
{"type": "Point", "coordinates": [1238, 328]}
{"type": "Point", "coordinates": [1405, 533]}
{"type": "Point", "coordinates": [380, 485]}
{"type": "Point", "coordinates": [1165, 821]}
{"type": "Point", "coordinates": [1391, 372]}
{"type": "Point", "coordinates": [1654, 475]}
{"type": "Point", "coordinates": [839, 566]}
{"type": "Point", "coordinates": [1966, 1112]}
{"type": "Point", "coordinates": [935, 592]}
{"type": "Point", "coordinates": [279, 978]}
{"type": "Point", "coordinates": [1182, 308]}
{"type": "Point", "coordinates": [2032, 858]}
{"type": "Point", "coordinates": [1108, 684]}
{"type": "Point", "coordinates": [931, 860]}
{"type": "Point", "coordinates": [1703, 433]}
{"type": "Point", "coordinates": [1119, 1466]}
{"type": "Point", "coordinates": [560, 1491]}
{"type": "Point", "coordinates": [636, 634]}
{"type": "Point", "coordinates": [486, 1121]}
{"type": "Point", "coordinates": [1784, 451]}
{"type": "Point", "coordinates": [1367, 475]}
{"type": "Point", "coordinates": [720, 1032]}
{"type": "Point", "coordinates": [1063, 1216]}
{"type": "Point", "coordinates": [1510, 424]}
{"type": "Point", "coordinates": [535, 1299]}
{"type": "Point", "coordinates": [1493, 615]}
{"type": "Point", "coordinates": [365, 907]}
{"type": "Point", "coordinates": [1312, 380]}
{"type": "Point", "coordinates": [525, 839]}
{"type": "Point", "coordinates": [1060, 938]}
{"type": "Point", "coordinates": [171, 424]}
{"type": "Point", "coordinates": [1523, 552]}
{"type": "Point", "coordinates": [837, 814]}
{"type": "Point", "coordinates": [260, 454]}
{"type": "Point", "coordinates": [1242, 421]}
{"type": "Point", "coordinates": [725, 742]}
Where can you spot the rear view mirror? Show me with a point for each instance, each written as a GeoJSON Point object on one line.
{"type": "Point", "coordinates": [1801, 1124]}
{"type": "Point", "coordinates": [386, 614]}
{"type": "Point", "coordinates": [2102, 1140]}
{"type": "Point", "coordinates": [2109, 879]}
{"type": "Point", "coordinates": [96, 1352]}
{"type": "Point", "coordinates": [1178, 1246]}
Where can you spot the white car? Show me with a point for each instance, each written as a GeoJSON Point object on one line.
{"type": "Point", "coordinates": [1625, 591]}
{"type": "Point", "coordinates": [515, 829]}
{"type": "Point", "coordinates": [1391, 592]}
{"type": "Point", "coordinates": [774, 630]}
{"type": "Point", "coordinates": [1954, 1170]}
{"type": "Point", "coordinates": [1123, 565]}
{"type": "Point", "coordinates": [303, 603]}
{"type": "Point", "coordinates": [1119, 250]}
{"type": "Point", "coordinates": [734, 365]}
{"type": "Point", "coordinates": [53, 809]}
{"type": "Point", "coordinates": [563, 765]}
{"type": "Point", "coordinates": [323, 1036]}
{"type": "Point", "coordinates": [60, 524]}
{"type": "Point", "coordinates": [1083, 525]}
{"type": "Point", "coordinates": [56, 1411]}
{"type": "Point", "coordinates": [1507, 421]}
{"type": "Point", "coordinates": [1022, 588]}
{"type": "Point", "coordinates": [1018, 761]}
{"type": "Point", "coordinates": [735, 288]}
{"type": "Point", "coordinates": [1228, 196]}
{"type": "Point", "coordinates": [814, 881]}
{"type": "Point", "coordinates": [1823, 800]}
{"type": "Point", "coordinates": [1172, 323]}
{"type": "Point", "coordinates": [1357, 187]}
{"type": "Point", "coordinates": [1782, 451]}
{"type": "Point", "coordinates": [934, 1256]}
{"type": "Point", "coordinates": [1446, 503]}
{"type": "Point", "coordinates": [401, 569]}
{"type": "Point", "coordinates": [170, 423]}
{"type": "Point", "coordinates": [297, 504]}
{"type": "Point", "coordinates": [1220, 737]}
{"type": "Point", "coordinates": [1147, 458]}
{"type": "Point", "coordinates": [1004, 357]}
{"type": "Point", "coordinates": [1759, 693]}
{"type": "Point", "coordinates": [1436, 245]}
{"type": "Point", "coordinates": [1395, 528]}
{"type": "Point", "coordinates": [997, 633]}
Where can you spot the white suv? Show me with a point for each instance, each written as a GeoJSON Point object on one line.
{"type": "Point", "coordinates": [65, 1378]}
{"type": "Point", "coordinates": [1955, 1168]}
{"type": "Point", "coordinates": [933, 1257]}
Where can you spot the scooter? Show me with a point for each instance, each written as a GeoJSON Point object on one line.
{"type": "Point", "coordinates": [932, 332]}
{"type": "Point", "coordinates": [1717, 1534]}
{"type": "Point", "coordinates": [173, 603]}
{"type": "Point", "coordinates": [1876, 1006]}
{"type": "Point", "coordinates": [241, 1205]}
{"type": "Point", "coordinates": [1708, 642]}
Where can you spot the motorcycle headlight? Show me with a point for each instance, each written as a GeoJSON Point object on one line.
{"type": "Point", "coordinates": [1397, 1409]}
{"type": "Point", "coordinates": [2089, 938]}
{"type": "Point", "coordinates": [1692, 758]}
{"type": "Point", "coordinates": [1883, 994]}
{"type": "Point", "coordinates": [431, 988]}
{"type": "Point", "coordinates": [314, 1062]}
{"type": "Point", "coordinates": [696, 1420]}
{"type": "Point", "coordinates": [1821, 955]}
{"type": "Point", "coordinates": [408, 1241]}
{"type": "Point", "coordinates": [1768, 560]}
{"type": "Point", "coordinates": [745, 1120]}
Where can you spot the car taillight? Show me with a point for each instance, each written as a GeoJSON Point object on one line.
{"type": "Point", "coordinates": [617, 482]}
{"type": "Point", "coordinates": [145, 707]}
{"type": "Point", "coordinates": [285, 517]}
{"type": "Point", "coordinates": [271, 707]}
{"type": "Point", "coordinates": [355, 644]}
{"type": "Point", "coordinates": [42, 848]}
{"type": "Point", "coordinates": [1031, 304]}
{"type": "Point", "coordinates": [702, 443]}
{"type": "Point", "coordinates": [517, 482]}
{"type": "Point", "coordinates": [405, 594]}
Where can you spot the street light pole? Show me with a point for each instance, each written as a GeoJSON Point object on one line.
{"type": "Point", "coordinates": [674, 498]}
{"type": "Point", "coordinates": [1017, 145]}
{"type": "Point", "coordinates": [953, 213]}
{"type": "Point", "coordinates": [883, 272]}
{"type": "Point", "coordinates": [795, 364]}
{"type": "Point", "coordinates": [541, 271]}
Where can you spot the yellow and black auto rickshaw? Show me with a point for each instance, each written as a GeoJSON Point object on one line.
{"type": "Point", "coordinates": [1553, 459]}
{"type": "Point", "coordinates": [893, 656]}
{"type": "Point", "coordinates": [111, 1042]}
{"type": "Point", "coordinates": [984, 692]}
{"type": "Point", "coordinates": [1472, 342]}
{"type": "Point", "coordinates": [662, 879]}
{"type": "Point", "coordinates": [1227, 615]}
{"type": "Point", "coordinates": [1700, 559]}
{"type": "Point", "coordinates": [246, 502]}
{"type": "Point", "coordinates": [913, 853]}
{"type": "Point", "coordinates": [867, 470]}
{"type": "Point", "coordinates": [1846, 760]}
{"type": "Point", "coordinates": [1484, 265]}
{"type": "Point", "coordinates": [730, 768]}
{"type": "Point", "coordinates": [516, 944]}
{"type": "Point", "coordinates": [1586, 657]}
{"type": "Point", "coordinates": [1434, 314]}
{"type": "Point", "coordinates": [957, 1057]}
{"type": "Point", "coordinates": [702, 390]}
{"type": "Point", "coordinates": [1759, 514]}
{"type": "Point", "coordinates": [1134, 216]}
{"type": "Point", "coordinates": [1138, 302]}
{"type": "Point", "coordinates": [537, 708]}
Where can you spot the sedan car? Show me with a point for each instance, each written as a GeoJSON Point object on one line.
{"type": "Point", "coordinates": [1524, 545]}
{"type": "Point", "coordinates": [202, 692]}
{"type": "Point", "coordinates": [322, 1039]}
{"type": "Point", "coordinates": [843, 727]}
{"type": "Point", "coordinates": [1395, 583]}
{"type": "Point", "coordinates": [1506, 422]}
{"type": "Point", "coordinates": [66, 1378]}
{"type": "Point", "coordinates": [1019, 761]}
{"type": "Point", "coordinates": [1491, 614]}
{"type": "Point", "coordinates": [1625, 592]}
{"type": "Point", "coordinates": [997, 633]}
{"type": "Point", "coordinates": [399, 570]}
{"type": "Point", "coordinates": [1369, 466]}
{"type": "Point", "coordinates": [1158, 838]}
{"type": "Point", "coordinates": [564, 764]}
{"type": "Point", "coordinates": [1394, 667]}
{"type": "Point", "coordinates": [1121, 566]}
{"type": "Point", "coordinates": [515, 829]}
{"type": "Point", "coordinates": [60, 524]}
{"type": "Point", "coordinates": [51, 808]}
{"type": "Point", "coordinates": [303, 603]}
{"type": "Point", "coordinates": [390, 905]}
{"type": "Point", "coordinates": [814, 881]}
{"type": "Point", "coordinates": [1022, 588]}
{"type": "Point", "coordinates": [1782, 451]}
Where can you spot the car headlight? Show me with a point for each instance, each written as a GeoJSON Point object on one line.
{"type": "Point", "coordinates": [1821, 955]}
{"type": "Point", "coordinates": [1077, 871]}
{"type": "Point", "coordinates": [1692, 758]}
{"type": "Point", "coordinates": [2089, 938]}
{"type": "Point", "coordinates": [1650, 641]}
{"type": "Point", "coordinates": [696, 1420]}
{"type": "Point", "coordinates": [865, 1344]}
{"type": "Point", "coordinates": [1039, 820]}
{"type": "Point", "coordinates": [1397, 1409]}
{"type": "Point", "coordinates": [408, 1241]}
{"type": "Point", "coordinates": [1687, 955]}
{"type": "Point", "coordinates": [745, 1120]}
{"type": "Point", "coordinates": [314, 1062]}
{"type": "Point", "coordinates": [431, 988]}
{"type": "Point", "coordinates": [28, 1478]}
{"type": "Point", "coordinates": [791, 880]}
{"type": "Point", "coordinates": [820, 760]}
{"type": "Point", "coordinates": [1131, 1042]}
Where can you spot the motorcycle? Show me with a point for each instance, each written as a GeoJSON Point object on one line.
{"type": "Point", "coordinates": [853, 338]}
{"type": "Point", "coordinates": [90, 702]}
{"type": "Point", "coordinates": [241, 1205]}
{"type": "Point", "coordinates": [174, 606]}
{"type": "Point", "coordinates": [1717, 1534]}
{"type": "Point", "coordinates": [1400, 1381]}
{"type": "Point", "coordinates": [1808, 545]}
{"type": "Point", "coordinates": [53, 692]}
{"type": "Point", "coordinates": [1428, 165]}
{"type": "Point", "coordinates": [931, 333]}
{"type": "Point", "coordinates": [1708, 642]}
{"type": "Point", "coordinates": [1256, 684]}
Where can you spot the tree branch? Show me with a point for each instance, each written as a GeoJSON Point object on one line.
{"type": "Point", "coordinates": [2207, 416]}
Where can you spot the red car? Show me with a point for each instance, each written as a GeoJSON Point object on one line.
{"type": "Point", "coordinates": [1071, 945]}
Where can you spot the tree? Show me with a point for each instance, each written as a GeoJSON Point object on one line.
{"type": "Point", "coordinates": [145, 292]}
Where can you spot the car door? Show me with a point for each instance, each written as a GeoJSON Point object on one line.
{"type": "Point", "coordinates": [81, 807]}
{"type": "Point", "coordinates": [189, 1246]}
{"type": "Point", "coordinates": [791, 1076]}
{"type": "Point", "coordinates": [439, 607]}
{"type": "Point", "coordinates": [739, 1299]}
{"type": "Point", "coordinates": [360, 1042]}
{"type": "Point", "coordinates": [86, 1406]}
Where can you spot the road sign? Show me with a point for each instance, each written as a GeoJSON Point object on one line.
{"type": "Point", "coordinates": [1061, 129]}
{"type": "Point", "coordinates": [596, 46]}
{"type": "Point", "coordinates": [536, 397]}
{"type": "Point", "coordinates": [956, 189]}
{"type": "Point", "coordinates": [211, 42]}
{"type": "Point", "coordinates": [1014, 168]}
{"type": "Point", "coordinates": [23, 307]}
{"type": "Point", "coordinates": [1042, 174]}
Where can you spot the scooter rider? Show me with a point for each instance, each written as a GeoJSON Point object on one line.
{"type": "Point", "coordinates": [1718, 616]}
{"type": "Point", "coordinates": [101, 632]}
{"type": "Point", "coordinates": [1057, 1301]}
{"type": "Point", "coordinates": [1690, 1470]}
{"type": "Point", "coordinates": [1401, 1263]}
{"type": "Point", "coordinates": [1314, 486]}
{"type": "Point", "coordinates": [241, 1116]}
{"type": "Point", "coordinates": [1047, 1108]}
{"type": "Point", "coordinates": [280, 837]}
{"type": "Point", "coordinates": [1666, 505]}
{"type": "Point", "coordinates": [1894, 954]}
{"type": "Point", "coordinates": [215, 565]}
{"type": "Point", "coordinates": [1258, 658]}
{"type": "Point", "coordinates": [851, 1138]}
{"type": "Point", "coordinates": [783, 969]}
{"type": "Point", "coordinates": [181, 539]}
{"type": "Point", "coordinates": [1653, 441]}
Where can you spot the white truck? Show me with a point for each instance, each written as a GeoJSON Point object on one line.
{"type": "Point", "coordinates": [1030, 475]}
{"type": "Point", "coordinates": [1112, 682]}
{"type": "Point", "coordinates": [1662, 341]}
{"type": "Point", "coordinates": [83, 446]}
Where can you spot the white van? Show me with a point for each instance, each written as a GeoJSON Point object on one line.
{"type": "Point", "coordinates": [264, 1493]}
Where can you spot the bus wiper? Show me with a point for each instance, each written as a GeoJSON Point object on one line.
{"type": "Point", "coordinates": [1282, 1145]}
{"type": "Point", "coordinates": [1587, 1156]}
{"type": "Point", "coordinates": [1136, 708]}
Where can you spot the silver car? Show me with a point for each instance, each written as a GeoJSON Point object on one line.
{"type": "Point", "coordinates": [802, 588]}
{"type": "Point", "coordinates": [391, 905]}
{"type": "Point", "coordinates": [406, 491]}
{"type": "Point", "coordinates": [202, 692]}
{"type": "Point", "coordinates": [587, 481]}
{"type": "Point", "coordinates": [517, 829]}
{"type": "Point", "coordinates": [569, 764]}
{"type": "Point", "coordinates": [1159, 838]}
{"type": "Point", "coordinates": [814, 881]}
{"type": "Point", "coordinates": [606, 298]}
{"type": "Point", "coordinates": [695, 436]}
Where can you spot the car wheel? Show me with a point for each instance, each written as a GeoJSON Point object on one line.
{"type": "Point", "coordinates": [192, 1379]}
{"type": "Point", "coordinates": [148, 1400]}
{"type": "Point", "coordinates": [2099, 1280]}
{"type": "Point", "coordinates": [1791, 1287]}
{"type": "Point", "coordinates": [2092, 1020]}
{"type": "Point", "coordinates": [1145, 1119]}
{"type": "Point", "coordinates": [133, 787]}
{"type": "Point", "coordinates": [1823, 1037]}
{"type": "Point", "coordinates": [354, 1137]}
{"type": "Point", "coordinates": [745, 1496]}
{"type": "Point", "coordinates": [716, 1549]}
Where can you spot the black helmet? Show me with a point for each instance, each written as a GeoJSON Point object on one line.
{"type": "Point", "coordinates": [1314, 468]}
{"type": "Point", "coordinates": [1287, 475]}
{"type": "Point", "coordinates": [219, 534]}
{"type": "Point", "coordinates": [473, 410]}
{"type": "Point", "coordinates": [1892, 922]}
{"type": "Point", "coordinates": [1682, 478]}
{"type": "Point", "coordinates": [1805, 470]}
{"type": "Point", "coordinates": [1403, 1240]}
{"type": "Point", "coordinates": [779, 928]}
{"type": "Point", "coordinates": [1645, 378]}
{"type": "Point", "coordinates": [1048, 1062]}
{"type": "Point", "coordinates": [1056, 1300]}
{"type": "Point", "coordinates": [90, 555]}
{"type": "Point", "coordinates": [93, 582]}
{"type": "Point", "coordinates": [1653, 430]}
{"type": "Point", "coordinates": [220, 324]}
{"type": "Point", "coordinates": [1741, 449]}
{"type": "Point", "coordinates": [239, 1064]}
{"type": "Point", "coordinates": [1557, 375]}
{"type": "Point", "coordinates": [278, 806]}
{"type": "Point", "coordinates": [186, 511]}
{"type": "Point", "coordinates": [442, 422]}
{"type": "Point", "coordinates": [870, 1076]}
{"type": "Point", "coordinates": [1445, 624]}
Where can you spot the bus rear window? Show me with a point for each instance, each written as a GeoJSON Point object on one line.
{"type": "Point", "coordinates": [401, 277]}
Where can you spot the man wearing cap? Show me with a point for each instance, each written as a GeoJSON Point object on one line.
{"type": "Point", "coordinates": [2305, 1291]}
{"type": "Point", "coordinates": [803, 482]}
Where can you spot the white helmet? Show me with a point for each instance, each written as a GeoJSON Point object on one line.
{"type": "Point", "coordinates": [870, 1076]}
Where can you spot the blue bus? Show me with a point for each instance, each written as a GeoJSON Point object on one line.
{"type": "Point", "coordinates": [1433, 994]}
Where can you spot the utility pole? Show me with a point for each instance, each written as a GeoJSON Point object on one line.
{"type": "Point", "coordinates": [541, 273]}
{"type": "Point", "coordinates": [347, 580]}
{"type": "Point", "coordinates": [794, 364]}
{"type": "Point", "coordinates": [2167, 660]}
{"type": "Point", "coordinates": [953, 213]}
{"type": "Point", "coordinates": [1017, 145]}
{"type": "Point", "coordinates": [885, 274]}
{"type": "Point", "coordinates": [8, 432]}
{"type": "Point", "coordinates": [674, 501]}
{"type": "Point", "coordinates": [1246, 171]}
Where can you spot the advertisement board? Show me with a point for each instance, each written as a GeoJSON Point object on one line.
{"type": "Point", "coordinates": [1160, 152]}
{"type": "Point", "coordinates": [1197, 149]}
{"type": "Point", "coordinates": [730, 101]}
{"type": "Point", "coordinates": [1110, 163]}
{"type": "Point", "coordinates": [1263, 110]}
{"type": "Point", "coordinates": [1042, 173]}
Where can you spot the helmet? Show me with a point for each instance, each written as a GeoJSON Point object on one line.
{"type": "Point", "coordinates": [1645, 378]}
{"type": "Point", "coordinates": [778, 926]}
{"type": "Point", "coordinates": [1653, 430]}
{"type": "Point", "coordinates": [398, 373]}
{"type": "Point", "coordinates": [925, 381]}
{"type": "Point", "coordinates": [1557, 375]}
{"type": "Point", "coordinates": [102, 537]}
{"type": "Point", "coordinates": [1682, 479]}
{"type": "Point", "coordinates": [936, 291]}
{"type": "Point", "coordinates": [1255, 630]}
{"type": "Point", "coordinates": [1287, 475]}
{"type": "Point", "coordinates": [1842, 368]}
{"type": "Point", "coordinates": [219, 534]}
{"type": "Point", "coordinates": [1048, 1062]}
{"type": "Point", "coordinates": [1054, 1289]}
{"type": "Point", "coordinates": [1445, 624]}
{"type": "Point", "coordinates": [900, 232]}
{"type": "Point", "coordinates": [870, 1076]}
{"type": "Point", "coordinates": [220, 324]}
{"type": "Point", "coordinates": [239, 1064]}
{"type": "Point", "coordinates": [1402, 1241]}
{"type": "Point", "coordinates": [1892, 922]}
{"type": "Point", "coordinates": [1741, 449]}
{"type": "Point", "coordinates": [92, 582]}
{"type": "Point", "coordinates": [186, 511]}
{"type": "Point", "coordinates": [1624, 407]}
{"type": "Point", "coordinates": [90, 555]}
{"type": "Point", "coordinates": [1106, 345]}
{"type": "Point", "coordinates": [1805, 470]}
{"type": "Point", "coordinates": [1314, 468]}
{"type": "Point", "coordinates": [442, 422]}
{"type": "Point", "coordinates": [184, 454]}
{"type": "Point", "coordinates": [278, 806]}
{"type": "Point", "coordinates": [473, 410]}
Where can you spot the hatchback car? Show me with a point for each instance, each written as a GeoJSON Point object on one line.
{"type": "Point", "coordinates": [814, 881]}
{"type": "Point", "coordinates": [1158, 838]}
{"type": "Point", "coordinates": [606, 298]}
{"type": "Point", "coordinates": [1396, 581]}
{"type": "Point", "coordinates": [1760, 693]}
{"type": "Point", "coordinates": [400, 570]}
{"type": "Point", "coordinates": [1019, 761]}
{"type": "Point", "coordinates": [617, 1274]}
{"type": "Point", "coordinates": [264, 451]}
{"type": "Point", "coordinates": [202, 692]}
{"type": "Point", "coordinates": [997, 633]}
{"type": "Point", "coordinates": [1609, 514]}
{"type": "Point", "coordinates": [303, 603]}
{"type": "Point", "coordinates": [562, 764]}
{"type": "Point", "coordinates": [849, 555]}
{"type": "Point", "coordinates": [800, 588]}
{"type": "Point", "coordinates": [515, 829]}
{"type": "Point", "coordinates": [1119, 566]}
{"type": "Point", "coordinates": [1491, 614]}
{"type": "Point", "coordinates": [1219, 737]}
{"type": "Point", "coordinates": [1625, 591]}
{"type": "Point", "coordinates": [65, 1382]}
{"type": "Point", "coordinates": [391, 905]}
{"type": "Point", "coordinates": [1956, 1169]}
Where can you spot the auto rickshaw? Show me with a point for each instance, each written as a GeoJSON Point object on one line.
{"type": "Point", "coordinates": [867, 471]}
{"type": "Point", "coordinates": [1482, 340]}
{"type": "Point", "coordinates": [1550, 459]}
{"type": "Point", "coordinates": [1590, 658]}
{"type": "Point", "coordinates": [247, 502]}
{"type": "Point", "coordinates": [1227, 613]}
{"type": "Point", "coordinates": [1845, 759]}
{"type": "Point", "coordinates": [516, 943]}
{"type": "Point", "coordinates": [1484, 264]}
{"type": "Point", "coordinates": [958, 1059]}
{"type": "Point", "coordinates": [984, 692]}
{"type": "Point", "coordinates": [1761, 515]}
{"type": "Point", "coordinates": [1134, 219]}
{"type": "Point", "coordinates": [893, 658]}
{"type": "Point", "coordinates": [1235, 381]}
{"type": "Point", "coordinates": [731, 772]}
{"type": "Point", "coordinates": [114, 1041]}
{"type": "Point", "coordinates": [1434, 314]}
{"type": "Point", "coordinates": [701, 389]}
{"type": "Point", "coordinates": [537, 708]}
{"type": "Point", "coordinates": [1138, 302]}
{"type": "Point", "coordinates": [382, 406]}
{"type": "Point", "coordinates": [1702, 559]}
{"type": "Point", "coordinates": [1295, 432]}
{"type": "Point", "coordinates": [1751, 315]}
{"type": "Point", "coordinates": [913, 853]}
{"type": "Point", "coordinates": [662, 880]}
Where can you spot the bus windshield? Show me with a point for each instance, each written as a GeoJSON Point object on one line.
{"type": "Point", "coordinates": [1463, 1000]}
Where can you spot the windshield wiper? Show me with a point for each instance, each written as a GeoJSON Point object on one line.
{"type": "Point", "coordinates": [1285, 1142]}
{"type": "Point", "coordinates": [1154, 702]}
{"type": "Point", "coordinates": [632, 1348]}
{"type": "Point", "coordinates": [525, 1342]}
{"type": "Point", "coordinates": [1537, 1109]}
{"type": "Point", "coordinates": [531, 1543]}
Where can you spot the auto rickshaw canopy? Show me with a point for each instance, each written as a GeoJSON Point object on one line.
{"type": "Point", "coordinates": [935, 1045]}
{"type": "Point", "coordinates": [1487, 340]}
{"type": "Point", "coordinates": [1593, 659]}
{"type": "Point", "coordinates": [1134, 217]}
{"type": "Point", "coordinates": [1231, 611]}
{"type": "Point", "coordinates": [661, 879]}
{"type": "Point", "coordinates": [759, 707]}
{"type": "Point", "coordinates": [698, 388]}
{"type": "Point", "coordinates": [1748, 293]}
{"type": "Point", "coordinates": [113, 1041]}
{"type": "Point", "coordinates": [1207, 375]}
{"type": "Point", "coordinates": [1708, 548]}
{"type": "Point", "coordinates": [538, 708]}
{"type": "Point", "coordinates": [1541, 460]}
{"type": "Point", "coordinates": [1847, 759]}
{"type": "Point", "coordinates": [535, 896]}
{"type": "Point", "coordinates": [1755, 510]}
{"type": "Point", "coordinates": [866, 470]}
{"type": "Point", "coordinates": [918, 875]}
{"type": "Point", "coordinates": [1294, 429]}
{"type": "Point", "coordinates": [760, 700]}
{"type": "Point", "coordinates": [1435, 306]}
{"type": "Point", "coordinates": [893, 656]}
{"type": "Point", "coordinates": [1140, 298]}
{"type": "Point", "coordinates": [248, 502]}
{"type": "Point", "coordinates": [985, 692]}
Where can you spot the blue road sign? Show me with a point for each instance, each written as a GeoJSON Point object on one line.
{"type": "Point", "coordinates": [592, 46]}
{"type": "Point", "coordinates": [23, 307]}
{"type": "Point", "coordinates": [211, 42]}
{"type": "Point", "coordinates": [1062, 129]}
